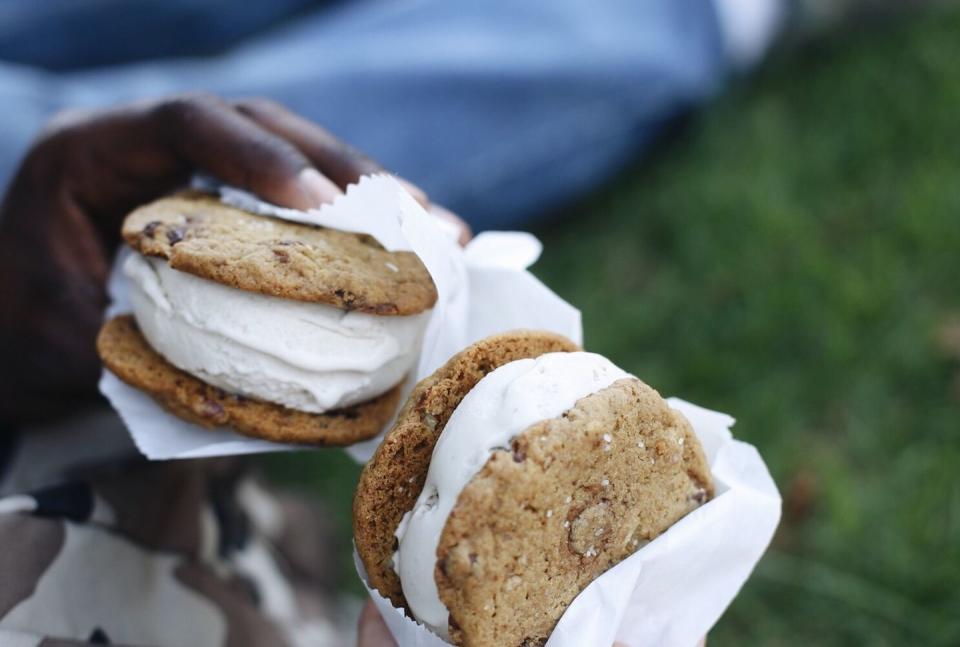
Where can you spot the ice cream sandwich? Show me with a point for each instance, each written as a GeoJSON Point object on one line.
{"type": "Point", "coordinates": [512, 478]}
{"type": "Point", "coordinates": [280, 330]}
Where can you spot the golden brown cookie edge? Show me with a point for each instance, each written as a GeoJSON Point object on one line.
{"type": "Point", "coordinates": [126, 353]}
{"type": "Point", "coordinates": [391, 482]}
{"type": "Point", "coordinates": [148, 230]}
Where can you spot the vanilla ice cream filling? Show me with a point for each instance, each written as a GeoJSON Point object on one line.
{"type": "Point", "coordinates": [306, 356]}
{"type": "Point", "coordinates": [501, 405]}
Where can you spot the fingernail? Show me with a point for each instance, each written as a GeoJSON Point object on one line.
{"type": "Point", "coordinates": [413, 190]}
{"type": "Point", "coordinates": [317, 189]}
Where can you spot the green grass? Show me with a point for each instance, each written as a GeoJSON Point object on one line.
{"type": "Point", "coordinates": [792, 256]}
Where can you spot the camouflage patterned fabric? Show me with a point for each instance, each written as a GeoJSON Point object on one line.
{"type": "Point", "coordinates": [186, 553]}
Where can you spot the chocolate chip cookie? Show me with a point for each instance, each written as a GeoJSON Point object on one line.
{"type": "Point", "coordinates": [570, 497]}
{"type": "Point", "coordinates": [196, 233]}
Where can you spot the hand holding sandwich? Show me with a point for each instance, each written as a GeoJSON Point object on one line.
{"type": "Point", "coordinates": [60, 218]}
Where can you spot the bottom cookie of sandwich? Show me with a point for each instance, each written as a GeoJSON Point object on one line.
{"type": "Point", "coordinates": [127, 355]}
{"type": "Point", "coordinates": [487, 542]}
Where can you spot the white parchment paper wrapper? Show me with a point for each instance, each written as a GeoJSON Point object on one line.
{"type": "Point", "coordinates": [673, 590]}
{"type": "Point", "coordinates": [482, 289]}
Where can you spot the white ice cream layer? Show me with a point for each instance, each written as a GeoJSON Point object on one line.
{"type": "Point", "coordinates": [306, 356]}
{"type": "Point", "coordinates": [501, 405]}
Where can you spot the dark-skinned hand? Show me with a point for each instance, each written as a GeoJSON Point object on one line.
{"type": "Point", "coordinates": [60, 219]}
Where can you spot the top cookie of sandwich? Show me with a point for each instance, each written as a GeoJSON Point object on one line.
{"type": "Point", "coordinates": [196, 233]}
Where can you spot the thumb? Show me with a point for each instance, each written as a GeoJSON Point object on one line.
{"type": "Point", "coordinates": [372, 630]}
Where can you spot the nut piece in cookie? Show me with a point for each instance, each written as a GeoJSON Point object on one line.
{"type": "Point", "coordinates": [539, 476]}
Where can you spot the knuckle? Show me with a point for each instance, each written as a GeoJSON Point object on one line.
{"type": "Point", "coordinates": [270, 153]}
{"type": "Point", "coordinates": [183, 108]}
{"type": "Point", "coordinates": [360, 160]}
{"type": "Point", "coordinates": [286, 155]}
{"type": "Point", "coordinates": [347, 154]}
{"type": "Point", "coordinates": [253, 106]}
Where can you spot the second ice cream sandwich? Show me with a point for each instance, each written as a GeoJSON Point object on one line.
{"type": "Point", "coordinates": [281, 330]}
{"type": "Point", "coordinates": [517, 474]}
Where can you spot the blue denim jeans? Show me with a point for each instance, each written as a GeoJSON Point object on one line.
{"type": "Point", "coordinates": [501, 110]}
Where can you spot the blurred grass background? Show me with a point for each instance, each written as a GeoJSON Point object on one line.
{"type": "Point", "coordinates": [791, 255]}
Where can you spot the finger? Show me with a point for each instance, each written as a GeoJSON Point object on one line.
{"type": "Point", "coordinates": [207, 134]}
{"type": "Point", "coordinates": [372, 630]}
{"type": "Point", "coordinates": [464, 234]}
{"type": "Point", "coordinates": [416, 192]}
{"type": "Point", "coordinates": [336, 159]}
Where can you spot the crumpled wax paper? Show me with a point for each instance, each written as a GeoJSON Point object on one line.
{"type": "Point", "coordinates": [673, 590]}
{"type": "Point", "coordinates": [483, 289]}
{"type": "Point", "coordinates": [668, 593]}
